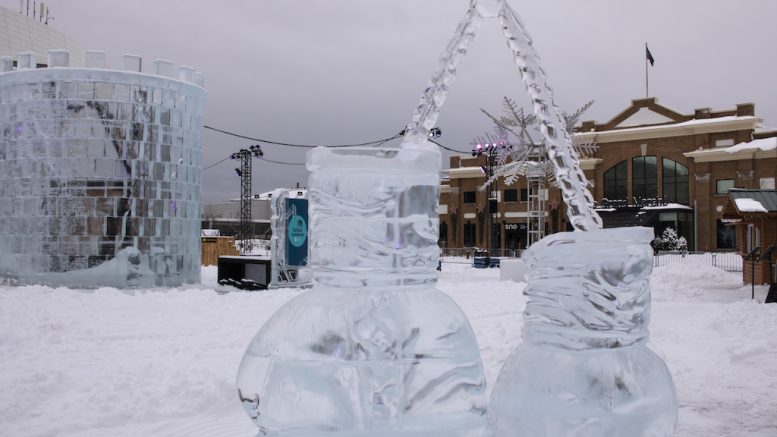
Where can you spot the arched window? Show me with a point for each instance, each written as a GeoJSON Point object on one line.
{"type": "Point", "coordinates": [644, 172]}
{"type": "Point", "coordinates": [615, 182]}
{"type": "Point", "coordinates": [675, 181]}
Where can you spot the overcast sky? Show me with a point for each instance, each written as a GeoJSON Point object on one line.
{"type": "Point", "coordinates": [344, 71]}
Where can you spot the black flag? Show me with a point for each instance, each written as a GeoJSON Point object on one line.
{"type": "Point", "coordinates": [649, 56]}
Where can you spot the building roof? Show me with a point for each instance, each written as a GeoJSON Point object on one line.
{"type": "Point", "coordinates": [690, 127]}
{"type": "Point", "coordinates": [20, 33]}
{"type": "Point", "coordinates": [646, 119]}
{"type": "Point", "coordinates": [767, 199]}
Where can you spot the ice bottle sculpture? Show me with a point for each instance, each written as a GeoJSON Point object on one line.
{"type": "Point", "coordinates": [373, 349]}
{"type": "Point", "coordinates": [583, 368]}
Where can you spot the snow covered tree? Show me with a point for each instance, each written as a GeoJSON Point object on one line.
{"type": "Point", "coordinates": [669, 241]}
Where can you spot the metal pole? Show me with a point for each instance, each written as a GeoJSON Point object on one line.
{"type": "Point", "coordinates": [646, 72]}
{"type": "Point", "coordinates": [488, 208]}
{"type": "Point", "coordinates": [695, 226]}
{"type": "Point", "coordinates": [491, 157]}
{"type": "Point", "coordinates": [752, 279]}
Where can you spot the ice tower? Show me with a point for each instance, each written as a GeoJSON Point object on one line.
{"type": "Point", "coordinates": [100, 172]}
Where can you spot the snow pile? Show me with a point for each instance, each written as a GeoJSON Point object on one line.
{"type": "Point", "coordinates": [162, 362]}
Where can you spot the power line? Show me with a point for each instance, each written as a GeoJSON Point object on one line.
{"type": "Point", "coordinates": [376, 143]}
{"type": "Point", "coordinates": [446, 147]}
{"type": "Point", "coordinates": [215, 164]}
{"type": "Point", "coordinates": [260, 160]}
{"type": "Point", "coordinates": [281, 162]}
{"type": "Point", "coordinates": [307, 146]}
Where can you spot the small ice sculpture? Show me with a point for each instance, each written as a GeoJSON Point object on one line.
{"type": "Point", "coordinates": [373, 349]}
{"type": "Point", "coordinates": [583, 368]}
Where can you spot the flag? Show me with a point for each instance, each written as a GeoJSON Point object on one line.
{"type": "Point", "coordinates": [649, 56]}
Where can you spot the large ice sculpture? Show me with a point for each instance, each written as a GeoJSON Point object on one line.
{"type": "Point", "coordinates": [373, 349]}
{"type": "Point", "coordinates": [100, 173]}
{"type": "Point", "coordinates": [583, 368]}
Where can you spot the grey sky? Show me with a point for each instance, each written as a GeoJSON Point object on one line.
{"type": "Point", "coordinates": [344, 71]}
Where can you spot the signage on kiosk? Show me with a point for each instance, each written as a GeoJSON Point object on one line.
{"type": "Point", "coordinates": [297, 232]}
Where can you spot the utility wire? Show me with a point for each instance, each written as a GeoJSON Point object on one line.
{"type": "Point", "coordinates": [446, 147]}
{"type": "Point", "coordinates": [215, 164]}
{"type": "Point", "coordinates": [307, 146]}
{"type": "Point", "coordinates": [261, 159]}
{"type": "Point", "coordinates": [374, 143]}
{"type": "Point", "coordinates": [281, 162]}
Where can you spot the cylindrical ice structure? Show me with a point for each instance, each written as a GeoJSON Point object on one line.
{"type": "Point", "coordinates": [100, 178]}
{"type": "Point", "coordinates": [583, 369]}
{"type": "Point", "coordinates": [373, 349]}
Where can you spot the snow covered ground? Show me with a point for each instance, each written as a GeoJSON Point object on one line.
{"type": "Point", "coordinates": [163, 362]}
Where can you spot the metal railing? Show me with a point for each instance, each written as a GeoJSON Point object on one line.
{"type": "Point", "coordinates": [729, 261]}
{"type": "Point", "coordinates": [467, 255]}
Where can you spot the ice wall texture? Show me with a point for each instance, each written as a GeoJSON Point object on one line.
{"type": "Point", "coordinates": [100, 177]}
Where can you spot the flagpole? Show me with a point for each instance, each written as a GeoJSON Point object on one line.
{"type": "Point", "coordinates": [646, 72]}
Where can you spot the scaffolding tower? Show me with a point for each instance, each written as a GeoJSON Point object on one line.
{"type": "Point", "coordinates": [244, 172]}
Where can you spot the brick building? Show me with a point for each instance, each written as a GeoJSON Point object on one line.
{"type": "Point", "coordinates": [654, 167]}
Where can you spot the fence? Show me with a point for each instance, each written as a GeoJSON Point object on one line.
{"type": "Point", "coordinates": [467, 255]}
{"type": "Point", "coordinates": [729, 261]}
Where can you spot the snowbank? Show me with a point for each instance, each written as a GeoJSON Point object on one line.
{"type": "Point", "coordinates": [162, 362]}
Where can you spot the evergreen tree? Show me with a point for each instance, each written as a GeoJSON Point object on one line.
{"type": "Point", "coordinates": [669, 241]}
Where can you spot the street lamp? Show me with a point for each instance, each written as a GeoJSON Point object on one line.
{"type": "Point", "coordinates": [491, 151]}
{"type": "Point", "coordinates": [244, 172]}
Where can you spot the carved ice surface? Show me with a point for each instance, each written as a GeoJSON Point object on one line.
{"type": "Point", "coordinates": [373, 349]}
{"type": "Point", "coordinates": [583, 368]}
{"type": "Point", "coordinates": [488, 8]}
{"type": "Point", "coordinates": [569, 175]}
{"type": "Point", "coordinates": [100, 178]}
{"type": "Point", "coordinates": [571, 179]}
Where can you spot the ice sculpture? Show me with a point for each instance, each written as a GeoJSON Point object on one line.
{"type": "Point", "coordinates": [100, 173]}
{"type": "Point", "coordinates": [373, 349]}
{"type": "Point", "coordinates": [583, 368]}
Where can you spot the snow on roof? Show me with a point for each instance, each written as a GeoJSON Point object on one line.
{"type": "Point", "coordinates": [700, 123]}
{"type": "Point", "coordinates": [746, 204]}
{"type": "Point", "coordinates": [667, 206]}
{"type": "Point", "coordinates": [763, 144]}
